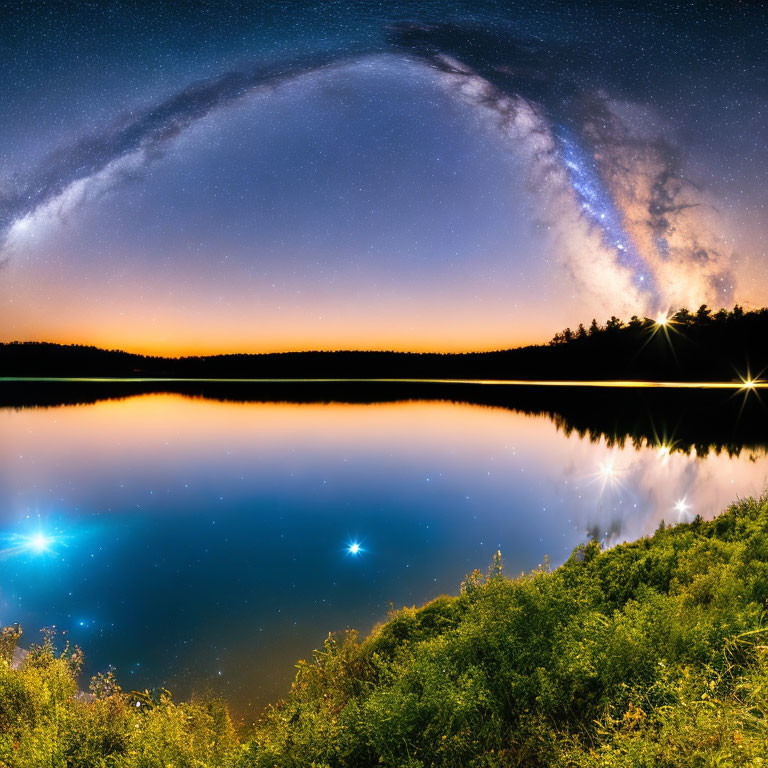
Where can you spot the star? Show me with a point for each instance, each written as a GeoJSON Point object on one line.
{"type": "Point", "coordinates": [39, 543]}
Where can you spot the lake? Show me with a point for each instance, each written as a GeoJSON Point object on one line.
{"type": "Point", "coordinates": [207, 543]}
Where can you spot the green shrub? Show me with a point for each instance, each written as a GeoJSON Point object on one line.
{"type": "Point", "coordinates": [46, 721]}
{"type": "Point", "coordinates": [653, 653]}
{"type": "Point", "coordinates": [646, 654]}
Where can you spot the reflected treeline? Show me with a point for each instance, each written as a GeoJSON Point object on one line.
{"type": "Point", "coordinates": [704, 420]}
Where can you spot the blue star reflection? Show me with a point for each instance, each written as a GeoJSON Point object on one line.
{"type": "Point", "coordinates": [39, 542]}
{"type": "Point", "coordinates": [354, 548]}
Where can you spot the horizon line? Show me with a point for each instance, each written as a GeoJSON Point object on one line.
{"type": "Point", "coordinates": [604, 383]}
{"type": "Point", "coordinates": [316, 351]}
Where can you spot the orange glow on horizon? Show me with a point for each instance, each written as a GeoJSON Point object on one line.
{"type": "Point", "coordinates": [195, 324]}
{"type": "Point", "coordinates": [172, 348]}
{"type": "Point", "coordinates": [171, 352]}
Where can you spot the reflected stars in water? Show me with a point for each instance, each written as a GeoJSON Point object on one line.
{"type": "Point", "coordinates": [39, 543]}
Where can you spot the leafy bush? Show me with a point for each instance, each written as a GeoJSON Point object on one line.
{"type": "Point", "coordinates": [653, 653]}
{"type": "Point", "coordinates": [46, 721]}
{"type": "Point", "coordinates": [650, 653]}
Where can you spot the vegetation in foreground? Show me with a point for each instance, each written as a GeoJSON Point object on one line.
{"type": "Point", "coordinates": [653, 653]}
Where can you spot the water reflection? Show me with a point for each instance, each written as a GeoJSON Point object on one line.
{"type": "Point", "coordinates": [680, 419]}
{"type": "Point", "coordinates": [208, 543]}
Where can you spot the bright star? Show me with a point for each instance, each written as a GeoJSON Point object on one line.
{"type": "Point", "coordinates": [39, 542]}
{"type": "Point", "coordinates": [18, 544]}
{"type": "Point", "coordinates": [608, 474]}
{"type": "Point", "coordinates": [750, 383]}
{"type": "Point", "coordinates": [662, 320]}
{"type": "Point", "coordinates": [607, 470]}
{"type": "Point", "coordinates": [354, 548]}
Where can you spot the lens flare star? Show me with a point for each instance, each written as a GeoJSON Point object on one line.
{"type": "Point", "coordinates": [749, 381]}
{"type": "Point", "coordinates": [40, 543]}
{"type": "Point", "coordinates": [354, 548]}
{"type": "Point", "coordinates": [682, 507]}
{"type": "Point", "coordinates": [608, 475]}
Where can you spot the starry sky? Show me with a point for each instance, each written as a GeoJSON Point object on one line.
{"type": "Point", "coordinates": [239, 176]}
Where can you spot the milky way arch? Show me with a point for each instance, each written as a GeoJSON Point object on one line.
{"type": "Point", "coordinates": [622, 217]}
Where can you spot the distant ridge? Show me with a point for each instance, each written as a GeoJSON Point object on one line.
{"type": "Point", "coordinates": [701, 346]}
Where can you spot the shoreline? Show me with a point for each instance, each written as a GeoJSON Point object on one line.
{"type": "Point", "coordinates": [570, 383]}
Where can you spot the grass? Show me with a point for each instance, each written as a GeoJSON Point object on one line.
{"type": "Point", "coordinates": [652, 653]}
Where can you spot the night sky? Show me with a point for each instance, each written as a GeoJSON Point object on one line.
{"type": "Point", "coordinates": [202, 177]}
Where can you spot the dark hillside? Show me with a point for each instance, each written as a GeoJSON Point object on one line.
{"type": "Point", "coordinates": [688, 347]}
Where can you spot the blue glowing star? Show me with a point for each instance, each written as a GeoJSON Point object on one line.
{"type": "Point", "coordinates": [39, 543]}
{"type": "Point", "coordinates": [35, 543]}
{"type": "Point", "coordinates": [354, 548]}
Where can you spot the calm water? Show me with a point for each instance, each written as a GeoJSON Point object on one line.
{"type": "Point", "coordinates": [205, 545]}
